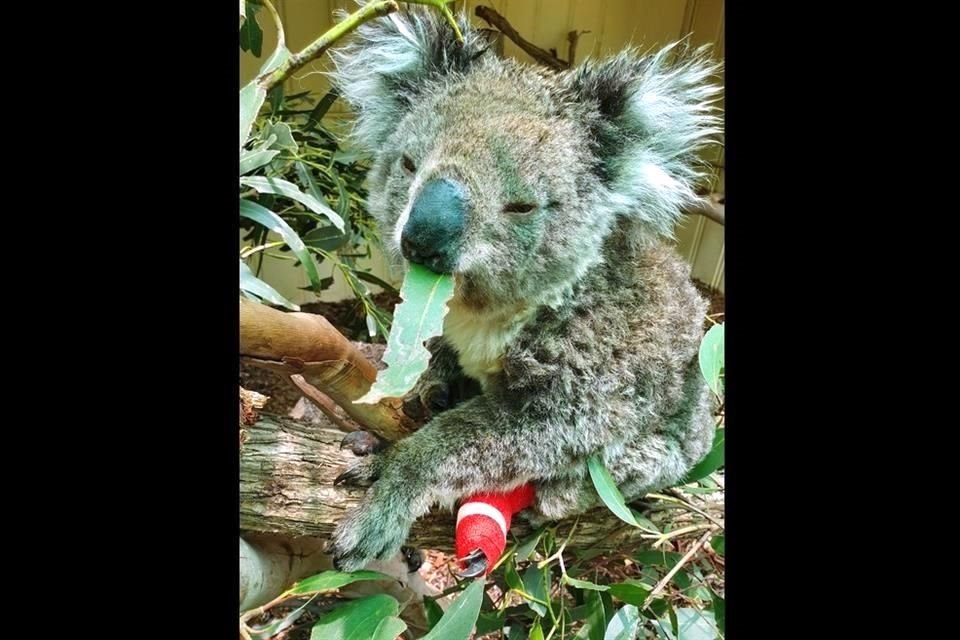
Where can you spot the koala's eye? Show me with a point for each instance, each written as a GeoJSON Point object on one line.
{"type": "Point", "coordinates": [408, 164]}
{"type": "Point", "coordinates": [519, 207]}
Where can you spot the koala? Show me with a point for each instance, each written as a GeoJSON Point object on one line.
{"type": "Point", "coordinates": [550, 198]}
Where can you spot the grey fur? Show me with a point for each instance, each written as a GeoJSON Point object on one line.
{"type": "Point", "coordinates": [577, 319]}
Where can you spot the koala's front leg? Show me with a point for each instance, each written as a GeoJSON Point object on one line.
{"type": "Point", "coordinates": [479, 445]}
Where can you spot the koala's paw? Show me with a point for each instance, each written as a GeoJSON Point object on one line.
{"type": "Point", "coordinates": [374, 531]}
{"type": "Point", "coordinates": [425, 400]}
{"type": "Point", "coordinates": [362, 473]}
{"type": "Point", "coordinates": [363, 443]}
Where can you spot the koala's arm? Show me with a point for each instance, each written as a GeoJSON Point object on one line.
{"type": "Point", "coordinates": [553, 417]}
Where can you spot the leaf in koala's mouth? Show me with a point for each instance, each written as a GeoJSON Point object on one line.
{"type": "Point", "coordinates": [417, 318]}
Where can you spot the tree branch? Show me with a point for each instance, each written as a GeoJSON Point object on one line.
{"type": "Point", "coordinates": [286, 488]}
{"type": "Point", "coordinates": [535, 52]}
{"type": "Point", "coordinates": [319, 46]}
{"type": "Point", "coordinates": [307, 344]}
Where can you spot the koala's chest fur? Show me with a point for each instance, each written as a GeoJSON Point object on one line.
{"type": "Point", "coordinates": [481, 338]}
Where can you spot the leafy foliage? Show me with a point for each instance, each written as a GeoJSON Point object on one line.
{"type": "Point", "coordinates": [299, 183]}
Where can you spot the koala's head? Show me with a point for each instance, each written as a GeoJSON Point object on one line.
{"type": "Point", "coordinates": [511, 177]}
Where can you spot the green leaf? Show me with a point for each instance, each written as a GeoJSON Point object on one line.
{"type": "Point", "coordinates": [321, 110]}
{"type": "Point", "coordinates": [389, 629]}
{"type": "Point", "coordinates": [719, 544]}
{"type": "Point", "coordinates": [251, 35]}
{"type": "Point", "coordinates": [250, 160]}
{"type": "Point", "coordinates": [433, 611]}
{"type": "Point", "coordinates": [631, 591]}
{"type": "Point", "coordinates": [325, 238]}
{"type": "Point", "coordinates": [712, 461]}
{"type": "Point", "coordinates": [286, 189]}
{"type": "Point", "coordinates": [525, 548]}
{"type": "Point", "coordinates": [356, 620]}
{"type": "Point", "coordinates": [512, 577]}
{"type": "Point", "coordinates": [583, 584]}
{"type": "Point", "coordinates": [536, 631]}
{"type": "Point", "coordinates": [644, 523]}
{"type": "Point", "coordinates": [251, 99]}
{"type": "Point", "coordinates": [625, 624]}
{"type": "Point", "coordinates": [283, 134]}
{"type": "Point", "coordinates": [458, 620]}
{"type": "Point", "coordinates": [535, 584]}
{"type": "Point", "coordinates": [596, 620]}
{"type": "Point", "coordinates": [719, 611]}
{"type": "Point", "coordinates": [417, 318]}
{"type": "Point", "coordinates": [329, 580]}
{"type": "Point", "coordinates": [711, 358]}
{"type": "Point", "coordinates": [252, 284]}
{"type": "Point", "coordinates": [275, 223]}
{"type": "Point", "coordinates": [662, 558]}
{"type": "Point", "coordinates": [608, 491]}
{"type": "Point", "coordinates": [366, 276]}
{"type": "Point", "coordinates": [695, 625]}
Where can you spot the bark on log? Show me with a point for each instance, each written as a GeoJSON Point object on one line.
{"type": "Point", "coordinates": [286, 487]}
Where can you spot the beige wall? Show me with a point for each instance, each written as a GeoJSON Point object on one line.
{"type": "Point", "coordinates": [613, 25]}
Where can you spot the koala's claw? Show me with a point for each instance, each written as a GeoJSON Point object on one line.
{"type": "Point", "coordinates": [476, 564]}
{"type": "Point", "coordinates": [362, 443]}
{"type": "Point", "coordinates": [374, 531]}
{"type": "Point", "coordinates": [361, 474]}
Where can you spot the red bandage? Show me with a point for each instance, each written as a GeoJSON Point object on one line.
{"type": "Point", "coordinates": [484, 519]}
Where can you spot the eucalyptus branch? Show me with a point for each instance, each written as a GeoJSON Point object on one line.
{"type": "Point", "coordinates": [275, 15]}
{"type": "Point", "coordinates": [319, 46]}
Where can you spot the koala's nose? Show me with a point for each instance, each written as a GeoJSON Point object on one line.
{"type": "Point", "coordinates": [431, 236]}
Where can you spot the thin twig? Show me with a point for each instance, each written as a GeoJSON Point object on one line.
{"type": "Point", "coordinates": [535, 52]}
{"type": "Point", "coordinates": [281, 38]}
{"type": "Point", "coordinates": [674, 498]}
{"type": "Point", "coordinates": [692, 551]}
{"type": "Point", "coordinates": [322, 402]}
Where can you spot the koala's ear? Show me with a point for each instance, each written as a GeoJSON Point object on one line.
{"type": "Point", "coordinates": [649, 118]}
{"type": "Point", "coordinates": [388, 61]}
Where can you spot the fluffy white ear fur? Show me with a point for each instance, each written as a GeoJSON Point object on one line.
{"type": "Point", "coordinates": [386, 63]}
{"type": "Point", "coordinates": [655, 116]}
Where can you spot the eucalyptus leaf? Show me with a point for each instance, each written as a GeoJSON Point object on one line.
{"type": "Point", "coordinates": [536, 632]}
{"type": "Point", "coordinates": [355, 620]}
{"type": "Point", "coordinates": [389, 629]}
{"type": "Point", "coordinates": [711, 358]}
{"type": "Point", "coordinates": [251, 99]}
{"type": "Point", "coordinates": [631, 591]}
{"type": "Point", "coordinates": [250, 160]}
{"type": "Point", "coordinates": [281, 187]}
{"type": "Point", "coordinates": [713, 460]}
{"type": "Point", "coordinates": [330, 580]}
{"type": "Point", "coordinates": [608, 491]}
{"type": "Point", "coordinates": [459, 618]}
{"type": "Point", "coordinates": [283, 134]}
{"type": "Point", "coordinates": [251, 34]}
{"type": "Point", "coordinates": [584, 584]}
{"type": "Point", "coordinates": [275, 223]}
{"type": "Point", "coordinates": [433, 611]}
{"type": "Point", "coordinates": [326, 238]}
{"type": "Point", "coordinates": [535, 583]}
{"type": "Point", "coordinates": [252, 284]}
{"type": "Point", "coordinates": [417, 318]}
{"type": "Point", "coordinates": [624, 625]}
